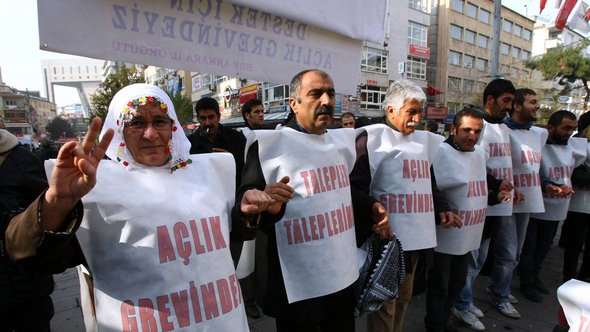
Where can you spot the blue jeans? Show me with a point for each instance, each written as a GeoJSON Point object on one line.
{"type": "Point", "coordinates": [476, 258]}
{"type": "Point", "coordinates": [508, 241]}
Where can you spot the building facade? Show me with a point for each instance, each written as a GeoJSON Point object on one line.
{"type": "Point", "coordinates": [84, 74]}
{"type": "Point", "coordinates": [25, 113]}
{"type": "Point", "coordinates": [461, 37]}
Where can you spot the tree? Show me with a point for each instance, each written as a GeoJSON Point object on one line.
{"type": "Point", "coordinates": [59, 127]}
{"type": "Point", "coordinates": [114, 82]}
{"type": "Point", "coordinates": [568, 64]}
{"type": "Point", "coordinates": [183, 106]}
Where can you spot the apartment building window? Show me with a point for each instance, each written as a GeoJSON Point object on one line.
{"type": "Point", "coordinates": [526, 34]}
{"type": "Point", "coordinates": [453, 107]}
{"type": "Point", "coordinates": [372, 97]}
{"type": "Point", "coordinates": [480, 86]}
{"type": "Point", "coordinates": [468, 61]}
{"type": "Point", "coordinates": [418, 4]}
{"type": "Point", "coordinates": [457, 5]}
{"type": "Point", "coordinates": [470, 36]}
{"type": "Point", "coordinates": [468, 86]}
{"type": "Point", "coordinates": [417, 34]}
{"type": "Point", "coordinates": [471, 10]}
{"type": "Point", "coordinates": [416, 68]}
{"type": "Point", "coordinates": [484, 16]}
{"type": "Point", "coordinates": [481, 64]}
{"type": "Point", "coordinates": [456, 32]}
{"type": "Point", "coordinates": [454, 58]}
{"type": "Point", "coordinates": [482, 41]}
{"type": "Point", "coordinates": [505, 48]}
{"type": "Point", "coordinates": [525, 54]}
{"type": "Point", "coordinates": [515, 52]}
{"type": "Point", "coordinates": [277, 97]}
{"type": "Point", "coordinates": [374, 60]}
{"type": "Point", "coordinates": [517, 30]}
{"type": "Point", "coordinates": [454, 84]}
{"type": "Point", "coordinates": [507, 26]}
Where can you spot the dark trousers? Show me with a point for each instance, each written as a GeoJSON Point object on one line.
{"type": "Point", "coordinates": [446, 279]}
{"type": "Point", "coordinates": [29, 316]}
{"type": "Point", "coordinates": [576, 232]}
{"type": "Point", "coordinates": [539, 237]}
{"type": "Point", "coordinates": [334, 322]}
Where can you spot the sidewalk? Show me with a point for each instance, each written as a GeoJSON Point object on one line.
{"type": "Point", "coordinates": [536, 316]}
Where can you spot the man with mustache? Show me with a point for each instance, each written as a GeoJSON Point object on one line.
{"type": "Point", "coordinates": [312, 262]}
{"type": "Point", "coordinates": [212, 136]}
{"type": "Point", "coordinates": [392, 175]}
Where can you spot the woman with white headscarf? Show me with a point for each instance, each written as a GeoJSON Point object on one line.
{"type": "Point", "coordinates": [154, 224]}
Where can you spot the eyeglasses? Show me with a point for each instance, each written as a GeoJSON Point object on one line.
{"type": "Point", "coordinates": [140, 125]}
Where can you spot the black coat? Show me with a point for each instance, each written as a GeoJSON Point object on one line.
{"type": "Point", "coordinates": [22, 179]}
{"type": "Point", "coordinates": [226, 139]}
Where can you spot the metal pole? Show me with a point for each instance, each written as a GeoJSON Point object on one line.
{"type": "Point", "coordinates": [496, 39]}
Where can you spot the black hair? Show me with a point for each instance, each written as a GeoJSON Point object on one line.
{"type": "Point", "coordinates": [466, 111]}
{"type": "Point", "coordinates": [558, 116]}
{"type": "Point", "coordinates": [247, 107]}
{"type": "Point", "coordinates": [347, 114]}
{"type": "Point", "coordinates": [496, 88]}
{"type": "Point", "coordinates": [207, 103]}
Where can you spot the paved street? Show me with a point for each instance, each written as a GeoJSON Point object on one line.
{"type": "Point", "coordinates": [536, 316]}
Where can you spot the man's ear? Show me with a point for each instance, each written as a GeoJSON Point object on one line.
{"type": "Point", "coordinates": [489, 101]}
{"type": "Point", "coordinates": [293, 103]}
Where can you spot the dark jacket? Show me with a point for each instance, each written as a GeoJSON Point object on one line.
{"type": "Point", "coordinates": [275, 298]}
{"type": "Point", "coordinates": [226, 139]}
{"type": "Point", "coordinates": [22, 179]}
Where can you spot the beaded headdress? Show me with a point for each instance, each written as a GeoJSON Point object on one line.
{"type": "Point", "coordinates": [123, 108]}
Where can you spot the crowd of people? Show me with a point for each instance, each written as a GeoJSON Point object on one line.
{"type": "Point", "coordinates": [198, 232]}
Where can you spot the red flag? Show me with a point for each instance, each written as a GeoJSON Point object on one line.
{"type": "Point", "coordinates": [432, 91]}
{"type": "Point", "coordinates": [543, 3]}
{"type": "Point", "coordinates": [564, 13]}
{"type": "Point", "coordinates": [587, 15]}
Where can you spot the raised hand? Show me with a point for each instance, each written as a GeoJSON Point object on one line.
{"type": "Point", "coordinates": [74, 174]}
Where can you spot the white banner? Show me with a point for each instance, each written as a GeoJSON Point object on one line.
{"type": "Point", "coordinates": [461, 176]}
{"type": "Point", "coordinates": [215, 37]}
{"type": "Point", "coordinates": [400, 172]}
{"type": "Point", "coordinates": [315, 239]}
{"type": "Point", "coordinates": [495, 140]}
{"type": "Point", "coordinates": [355, 19]}
{"type": "Point", "coordinates": [574, 299]}
{"type": "Point", "coordinates": [157, 246]}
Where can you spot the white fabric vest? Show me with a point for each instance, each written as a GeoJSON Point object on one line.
{"type": "Point", "coordinates": [461, 176]}
{"type": "Point", "coordinates": [580, 201]}
{"type": "Point", "coordinates": [495, 141]}
{"type": "Point", "coordinates": [557, 164]}
{"type": "Point", "coordinates": [401, 181]}
{"type": "Point", "coordinates": [526, 162]}
{"type": "Point", "coordinates": [316, 238]}
{"type": "Point", "coordinates": [157, 245]}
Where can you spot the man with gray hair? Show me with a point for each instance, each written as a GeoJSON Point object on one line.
{"type": "Point", "coordinates": [393, 174]}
